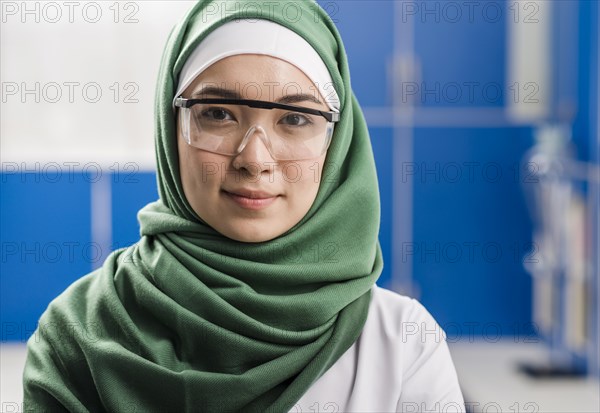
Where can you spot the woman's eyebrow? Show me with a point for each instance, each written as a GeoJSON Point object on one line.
{"type": "Point", "coordinates": [217, 91]}
{"type": "Point", "coordinates": [232, 94]}
{"type": "Point", "coordinates": [302, 97]}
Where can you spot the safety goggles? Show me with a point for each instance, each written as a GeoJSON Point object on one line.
{"type": "Point", "coordinates": [225, 126]}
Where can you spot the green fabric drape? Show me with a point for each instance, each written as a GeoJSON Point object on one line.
{"type": "Point", "coordinates": [187, 319]}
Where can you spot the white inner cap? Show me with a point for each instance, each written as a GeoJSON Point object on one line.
{"type": "Point", "coordinates": [259, 37]}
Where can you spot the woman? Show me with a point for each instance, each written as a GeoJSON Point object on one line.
{"type": "Point", "coordinates": [252, 287]}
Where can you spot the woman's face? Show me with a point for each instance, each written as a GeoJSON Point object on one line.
{"type": "Point", "coordinates": [209, 179]}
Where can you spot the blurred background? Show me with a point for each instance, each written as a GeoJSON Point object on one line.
{"type": "Point", "coordinates": [484, 124]}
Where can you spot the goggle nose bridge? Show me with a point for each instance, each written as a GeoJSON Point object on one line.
{"type": "Point", "coordinates": [251, 131]}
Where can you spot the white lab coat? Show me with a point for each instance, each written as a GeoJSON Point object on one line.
{"type": "Point", "coordinates": [400, 363]}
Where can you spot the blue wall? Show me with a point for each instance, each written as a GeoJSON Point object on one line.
{"type": "Point", "coordinates": [471, 231]}
{"type": "Point", "coordinates": [46, 243]}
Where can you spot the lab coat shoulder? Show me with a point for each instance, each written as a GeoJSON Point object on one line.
{"type": "Point", "coordinates": [394, 311]}
{"type": "Point", "coordinates": [429, 380]}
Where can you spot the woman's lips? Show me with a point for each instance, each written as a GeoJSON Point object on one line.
{"type": "Point", "coordinates": [250, 203]}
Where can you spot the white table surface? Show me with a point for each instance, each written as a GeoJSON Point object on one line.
{"type": "Point", "coordinates": [490, 380]}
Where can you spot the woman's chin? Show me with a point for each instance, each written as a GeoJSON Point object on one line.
{"type": "Point", "coordinates": [251, 233]}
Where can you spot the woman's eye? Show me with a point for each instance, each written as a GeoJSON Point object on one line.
{"type": "Point", "coordinates": [219, 114]}
{"type": "Point", "coordinates": [295, 119]}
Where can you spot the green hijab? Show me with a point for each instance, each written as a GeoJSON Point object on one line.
{"type": "Point", "coordinates": [187, 319]}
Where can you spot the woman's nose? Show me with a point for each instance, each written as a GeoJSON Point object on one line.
{"type": "Point", "coordinates": [255, 152]}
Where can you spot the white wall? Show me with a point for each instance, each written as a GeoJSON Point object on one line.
{"type": "Point", "coordinates": [46, 46]}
